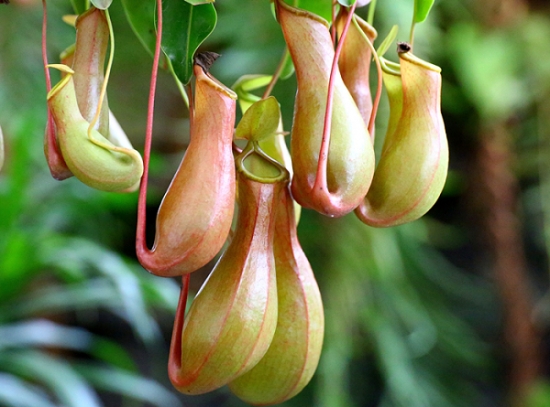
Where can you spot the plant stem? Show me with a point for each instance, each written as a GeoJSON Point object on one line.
{"type": "Point", "coordinates": [45, 47]}
{"type": "Point", "coordinates": [276, 75]}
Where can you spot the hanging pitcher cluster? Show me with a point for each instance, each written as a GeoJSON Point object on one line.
{"type": "Point", "coordinates": [257, 322]}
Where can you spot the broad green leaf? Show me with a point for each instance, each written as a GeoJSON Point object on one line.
{"type": "Point", "coordinates": [79, 6]}
{"type": "Point", "coordinates": [185, 28]}
{"type": "Point", "coordinates": [422, 9]}
{"type": "Point", "coordinates": [390, 38]}
{"type": "Point", "coordinates": [197, 2]}
{"type": "Point", "coordinates": [102, 4]}
{"type": "Point", "coordinates": [141, 16]}
{"type": "Point", "coordinates": [321, 8]}
{"type": "Point", "coordinates": [261, 120]}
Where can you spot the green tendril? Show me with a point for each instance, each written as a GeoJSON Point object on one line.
{"type": "Point", "coordinates": [107, 74]}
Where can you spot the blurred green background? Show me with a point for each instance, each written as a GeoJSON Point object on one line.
{"type": "Point", "coordinates": [451, 310]}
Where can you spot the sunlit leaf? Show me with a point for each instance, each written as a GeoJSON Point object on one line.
{"type": "Point", "coordinates": [43, 333]}
{"type": "Point", "coordinates": [185, 28]}
{"type": "Point", "coordinates": [247, 83]}
{"type": "Point", "coordinates": [422, 9]}
{"type": "Point", "coordinates": [141, 16]}
{"type": "Point", "coordinates": [260, 120]}
{"type": "Point", "coordinates": [102, 4]}
{"type": "Point", "coordinates": [388, 41]}
{"type": "Point", "coordinates": [197, 2]}
{"type": "Point", "coordinates": [321, 8]}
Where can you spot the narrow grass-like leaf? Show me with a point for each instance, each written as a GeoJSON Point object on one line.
{"type": "Point", "coordinates": [185, 29]}
{"type": "Point", "coordinates": [71, 389]}
{"type": "Point", "coordinates": [43, 333]}
{"type": "Point", "coordinates": [422, 9]}
{"type": "Point", "coordinates": [128, 384]}
{"type": "Point", "coordinates": [388, 41]}
{"type": "Point", "coordinates": [18, 393]}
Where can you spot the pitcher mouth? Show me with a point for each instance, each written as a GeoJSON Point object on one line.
{"type": "Point", "coordinates": [409, 57]}
{"type": "Point", "coordinates": [59, 85]}
{"type": "Point", "coordinates": [300, 12]}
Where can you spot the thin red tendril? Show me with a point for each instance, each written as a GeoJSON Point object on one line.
{"type": "Point", "coordinates": [141, 244]}
{"type": "Point", "coordinates": [321, 176]}
{"type": "Point", "coordinates": [45, 47]}
{"type": "Point", "coordinates": [174, 360]}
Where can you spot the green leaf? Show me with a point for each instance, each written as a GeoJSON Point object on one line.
{"type": "Point", "coordinates": [321, 8]}
{"type": "Point", "coordinates": [185, 28]}
{"type": "Point", "coordinates": [18, 393]}
{"type": "Point", "coordinates": [79, 6]}
{"type": "Point", "coordinates": [66, 384]}
{"type": "Point", "coordinates": [102, 4]}
{"type": "Point", "coordinates": [390, 38]}
{"type": "Point", "coordinates": [422, 9]}
{"type": "Point", "coordinates": [247, 83]}
{"type": "Point", "coordinates": [197, 2]}
{"type": "Point", "coordinates": [261, 120]}
{"type": "Point", "coordinates": [128, 384]}
{"type": "Point", "coordinates": [141, 16]}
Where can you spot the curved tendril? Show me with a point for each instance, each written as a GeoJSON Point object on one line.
{"type": "Point", "coordinates": [321, 176]}
{"type": "Point", "coordinates": [141, 244]}
{"type": "Point", "coordinates": [376, 101]}
{"type": "Point", "coordinates": [276, 75]}
{"type": "Point", "coordinates": [105, 80]}
{"type": "Point", "coordinates": [174, 363]}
